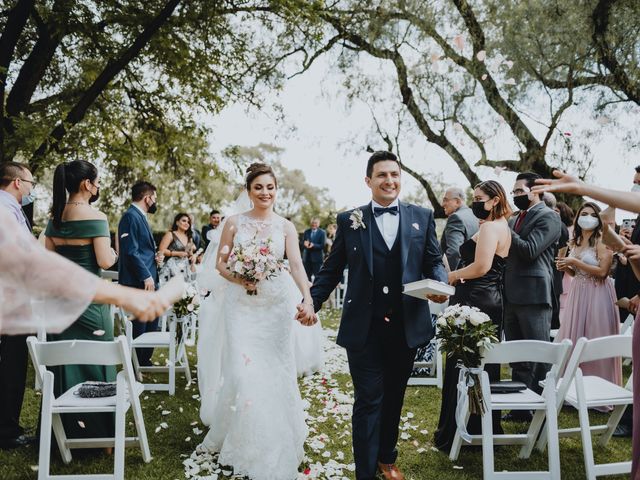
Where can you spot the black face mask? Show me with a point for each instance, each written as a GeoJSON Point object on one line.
{"type": "Point", "coordinates": [153, 208]}
{"type": "Point", "coordinates": [522, 201]}
{"type": "Point", "coordinates": [479, 211]}
{"type": "Point", "coordinates": [95, 196]}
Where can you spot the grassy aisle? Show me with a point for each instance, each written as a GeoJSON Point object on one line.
{"type": "Point", "coordinates": [174, 430]}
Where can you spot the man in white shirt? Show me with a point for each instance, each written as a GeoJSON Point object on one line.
{"type": "Point", "coordinates": [16, 184]}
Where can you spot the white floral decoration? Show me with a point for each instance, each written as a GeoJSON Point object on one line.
{"type": "Point", "coordinates": [357, 220]}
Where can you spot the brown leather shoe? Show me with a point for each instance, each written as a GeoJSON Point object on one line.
{"type": "Point", "coordinates": [390, 472]}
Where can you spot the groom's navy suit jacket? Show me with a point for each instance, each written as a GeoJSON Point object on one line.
{"type": "Point", "coordinates": [420, 256]}
{"type": "Point", "coordinates": [137, 250]}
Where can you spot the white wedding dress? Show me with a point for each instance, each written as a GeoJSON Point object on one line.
{"type": "Point", "coordinates": [247, 372]}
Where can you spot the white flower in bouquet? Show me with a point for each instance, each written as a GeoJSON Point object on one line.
{"type": "Point", "coordinates": [254, 261]}
{"type": "Point", "coordinates": [189, 303]}
{"type": "Point", "coordinates": [477, 318]}
{"type": "Point", "coordinates": [465, 333]}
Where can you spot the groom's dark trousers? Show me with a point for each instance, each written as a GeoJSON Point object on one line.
{"type": "Point", "coordinates": [380, 372]}
{"type": "Point", "coordinates": [380, 327]}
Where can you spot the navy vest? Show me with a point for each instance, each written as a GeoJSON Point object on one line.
{"type": "Point", "coordinates": [387, 277]}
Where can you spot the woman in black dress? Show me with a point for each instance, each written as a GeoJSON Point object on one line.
{"type": "Point", "coordinates": [479, 283]}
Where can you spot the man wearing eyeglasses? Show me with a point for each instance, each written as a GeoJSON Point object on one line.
{"type": "Point", "coordinates": [529, 278]}
{"type": "Point", "coordinates": [16, 185]}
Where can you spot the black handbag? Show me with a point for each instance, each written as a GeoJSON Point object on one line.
{"type": "Point", "coordinates": [507, 386]}
{"type": "Point", "coordinates": [96, 390]}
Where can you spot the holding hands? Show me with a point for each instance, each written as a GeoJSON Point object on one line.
{"type": "Point", "coordinates": [306, 314]}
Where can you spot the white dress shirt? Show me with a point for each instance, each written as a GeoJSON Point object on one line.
{"type": "Point", "coordinates": [9, 201]}
{"type": "Point", "coordinates": [388, 223]}
{"type": "Point", "coordinates": [144, 214]}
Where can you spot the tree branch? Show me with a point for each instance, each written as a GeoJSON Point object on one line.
{"type": "Point", "coordinates": [438, 210]}
{"type": "Point", "coordinates": [308, 61]}
{"type": "Point", "coordinates": [601, 16]}
{"type": "Point", "coordinates": [35, 65]}
{"type": "Point", "coordinates": [407, 95]}
{"type": "Point", "coordinates": [111, 70]}
{"type": "Point", "coordinates": [513, 165]}
{"type": "Point", "coordinates": [16, 21]}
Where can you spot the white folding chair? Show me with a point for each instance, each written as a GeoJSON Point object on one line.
{"type": "Point", "coordinates": [87, 352]}
{"type": "Point", "coordinates": [178, 359]}
{"type": "Point", "coordinates": [584, 392]}
{"type": "Point", "coordinates": [435, 365]}
{"type": "Point", "coordinates": [544, 405]}
{"type": "Point", "coordinates": [627, 326]}
{"type": "Point", "coordinates": [109, 275]}
{"type": "Point", "coordinates": [341, 290]}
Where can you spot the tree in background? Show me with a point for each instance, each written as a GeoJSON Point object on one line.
{"type": "Point", "coordinates": [124, 83]}
{"type": "Point", "coordinates": [493, 83]}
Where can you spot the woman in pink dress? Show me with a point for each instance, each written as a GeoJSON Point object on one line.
{"type": "Point", "coordinates": [590, 309]}
{"type": "Point", "coordinates": [567, 216]}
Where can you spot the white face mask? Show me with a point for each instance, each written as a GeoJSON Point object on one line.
{"type": "Point", "coordinates": [587, 222]}
{"type": "Point", "coordinates": [635, 188]}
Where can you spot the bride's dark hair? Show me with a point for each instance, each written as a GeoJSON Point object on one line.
{"type": "Point", "coordinates": [255, 170]}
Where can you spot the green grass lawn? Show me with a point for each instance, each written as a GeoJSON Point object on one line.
{"type": "Point", "coordinates": [329, 444]}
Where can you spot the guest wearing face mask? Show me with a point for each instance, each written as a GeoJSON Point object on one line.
{"type": "Point", "coordinates": [137, 267]}
{"type": "Point", "coordinates": [80, 233]}
{"type": "Point", "coordinates": [479, 282]}
{"type": "Point", "coordinates": [590, 310]}
{"type": "Point", "coordinates": [529, 279]}
{"type": "Point", "coordinates": [16, 183]}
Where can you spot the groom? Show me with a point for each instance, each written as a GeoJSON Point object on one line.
{"type": "Point", "coordinates": [385, 244]}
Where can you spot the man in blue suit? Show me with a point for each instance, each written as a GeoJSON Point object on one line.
{"type": "Point", "coordinates": [137, 265]}
{"type": "Point", "coordinates": [385, 244]}
{"type": "Point", "coordinates": [313, 242]}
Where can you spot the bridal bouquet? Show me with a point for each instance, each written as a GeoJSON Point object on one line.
{"type": "Point", "coordinates": [189, 303]}
{"type": "Point", "coordinates": [254, 261]}
{"type": "Point", "coordinates": [464, 332]}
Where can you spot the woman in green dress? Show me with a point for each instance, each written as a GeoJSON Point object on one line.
{"type": "Point", "coordinates": [80, 233]}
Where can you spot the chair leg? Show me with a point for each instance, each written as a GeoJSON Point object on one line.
{"type": "Point", "coordinates": [454, 453]}
{"type": "Point", "coordinates": [439, 373]}
{"type": "Point", "coordinates": [532, 434]}
{"type": "Point", "coordinates": [172, 357]}
{"type": "Point", "coordinates": [118, 454]}
{"type": "Point", "coordinates": [141, 429]}
{"type": "Point", "coordinates": [614, 419]}
{"type": "Point", "coordinates": [553, 449]}
{"type": "Point", "coordinates": [61, 438]}
{"type": "Point", "coordinates": [185, 364]}
{"type": "Point", "coordinates": [136, 364]}
{"type": "Point", "coordinates": [488, 466]}
{"type": "Point", "coordinates": [585, 428]}
{"type": "Point", "coordinates": [44, 456]}
{"type": "Point", "coordinates": [542, 439]}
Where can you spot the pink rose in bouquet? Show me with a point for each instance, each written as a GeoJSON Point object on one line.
{"type": "Point", "coordinates": [254, 261]}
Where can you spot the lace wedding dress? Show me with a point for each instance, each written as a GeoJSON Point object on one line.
{"type": "Point", "coordinates": [246, 368]}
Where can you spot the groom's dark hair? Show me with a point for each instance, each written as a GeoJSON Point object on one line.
{"type": "Point", "coordinates": [380, 156]}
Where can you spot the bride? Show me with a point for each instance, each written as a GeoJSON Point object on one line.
{"type": "Point", "coordinates": [246, 368]}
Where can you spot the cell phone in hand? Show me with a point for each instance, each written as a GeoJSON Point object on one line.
{"type": "Point", "coordinates": [629, 223]}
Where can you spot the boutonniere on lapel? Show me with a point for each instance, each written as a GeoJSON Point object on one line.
{"type": "Point", "coordinates": [416, 226]}
{"type": "Point", "coordinates": [357, 220]}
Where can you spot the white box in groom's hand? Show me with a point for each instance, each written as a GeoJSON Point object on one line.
{"type": "Point", "coordinates": [422, 288]}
